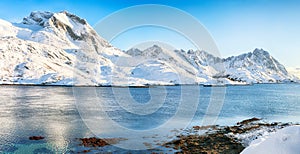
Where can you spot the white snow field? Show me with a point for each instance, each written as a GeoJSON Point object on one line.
{"type": "Point", "coordinates": [284, 141]}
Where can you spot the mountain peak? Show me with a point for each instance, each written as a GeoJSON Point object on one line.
{"type": "Point", "coordinates": [62, 29]}
{"type": "Point", "coordinates": [73, 17]}
{"type": "Point", "coordinates": [42, 18]}
{"type": "Point", "coordinates": [155, 48]}
{"type": "Point", "coordinates": [260, 52]}
{"type": "Point", "coordinates": [38, 18]}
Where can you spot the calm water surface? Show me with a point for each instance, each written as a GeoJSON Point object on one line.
{"type": "Point", "coordinates": [52, 112]}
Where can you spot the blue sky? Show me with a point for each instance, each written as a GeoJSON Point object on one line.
{"type": "Point", "coordinates": [237, 26]}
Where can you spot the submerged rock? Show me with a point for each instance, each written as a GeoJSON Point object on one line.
{"type": "Point", "coordinates": [36, 137]}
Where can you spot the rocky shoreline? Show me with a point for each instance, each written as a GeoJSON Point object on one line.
{"type": "Point", "coordinates": [224, 139]}
{"type": "Point", "coordinates": [212, 139]}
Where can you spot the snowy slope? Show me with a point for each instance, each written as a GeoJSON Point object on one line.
{"type": "Point", "coordinates": [46, 48]}
{"type": "Point", "coordinates": [63, 49]}
{"type": "Point", "coordinates": [284, 141]}
{"type": "Point", "coordinates": [26, 62]}
{"type": "Point", "coordinates": [161, 64]}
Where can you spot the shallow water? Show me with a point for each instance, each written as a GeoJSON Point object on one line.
{"type": "Point", "coordinates": [53, 112]}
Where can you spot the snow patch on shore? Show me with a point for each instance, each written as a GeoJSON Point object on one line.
{"type": "Point", "coordinates": [286, 140]}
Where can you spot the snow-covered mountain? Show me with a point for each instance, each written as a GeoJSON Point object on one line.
{"type": "Point", "coordinates": [256, 67]}
{"type": "Point", "coordinates": [46, 48]}
{"type": "Point", "coordinates": [63, 49]}
{"type": "Point", "coordinates": [253, 67]}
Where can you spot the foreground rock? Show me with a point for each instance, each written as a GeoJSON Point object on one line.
{"type": "Point", "coordinates": [224, 139]}
{"type": "Point", "coordinates": [210, 143]}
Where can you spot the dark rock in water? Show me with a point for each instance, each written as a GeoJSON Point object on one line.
{"type": "Point", "coordinates": [84, 151]}
{"type": "Point", "coordinates": [93, 142]}
{"type": "Point", "coordinates": [98, 142]}
{"type": "Point", "coordinates": [36, 137]}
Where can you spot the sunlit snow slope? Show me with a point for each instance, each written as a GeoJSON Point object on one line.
{"type": "Point", "coordinates": [284, 141]}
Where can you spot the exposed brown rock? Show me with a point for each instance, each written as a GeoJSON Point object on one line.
{"type": "Point", "coordinates": [204, 127]}
{"type": "Point", "coordinates": [210, 143]}
{"type": "Point", "coordinates": [247, 121]}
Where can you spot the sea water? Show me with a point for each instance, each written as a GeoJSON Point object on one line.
{"type": "Point", "coordinates": [53, 112]}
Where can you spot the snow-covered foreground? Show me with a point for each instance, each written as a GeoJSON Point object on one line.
{"type": "Point", "coordinates": [284, 141]}
{"type": "Point", "coordinates": [63, 49]}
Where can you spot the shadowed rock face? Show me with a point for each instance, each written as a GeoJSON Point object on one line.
{"type": "Point", "coordinates": [38, 18]}
{"type": "Point", "coordinates": [75, 18]}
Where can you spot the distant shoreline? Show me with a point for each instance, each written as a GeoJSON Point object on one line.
{"type": "Point", "coordinates": [143, 86]}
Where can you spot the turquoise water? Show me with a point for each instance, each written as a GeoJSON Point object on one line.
{"type": "Point", "coordinates": [52, 112]}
